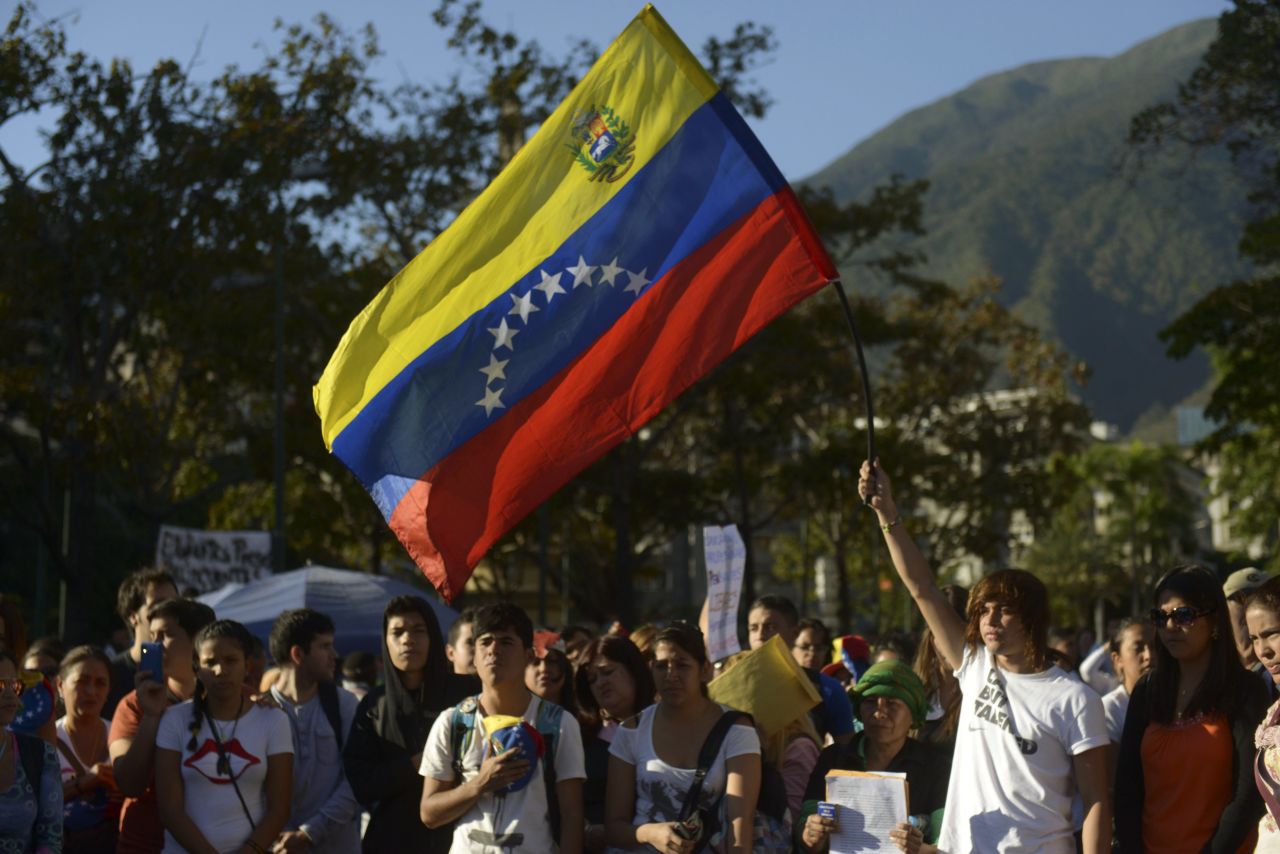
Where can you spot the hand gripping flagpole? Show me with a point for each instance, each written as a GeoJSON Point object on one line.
{"type": "Point", "coordinates": [866, 382]}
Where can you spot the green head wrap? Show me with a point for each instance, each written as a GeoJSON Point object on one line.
{"type": "Point", "coordinates": [892, 679]}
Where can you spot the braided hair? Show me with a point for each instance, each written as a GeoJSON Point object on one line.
{"type": "Point", "coordinates": [216, 630]}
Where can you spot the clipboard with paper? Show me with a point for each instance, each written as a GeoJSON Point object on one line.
{"type": "Point", "coordinates": [870, 805]}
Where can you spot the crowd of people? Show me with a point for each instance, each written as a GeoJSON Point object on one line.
{"type": "Point", "coordinates": [494, 737]}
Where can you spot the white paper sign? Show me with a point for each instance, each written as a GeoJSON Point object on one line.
{"type": "Point", "coordinates": [207, 560]}
{"type": "Point", "coordinates": [726, 557]}
{"type": "Point", "coordinates": [870, 805]}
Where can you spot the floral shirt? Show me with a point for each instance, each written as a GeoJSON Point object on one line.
{"type": "Point", "coordinates": [1267, 740]}
{"type": "Point", "coordinates": [31, 821]}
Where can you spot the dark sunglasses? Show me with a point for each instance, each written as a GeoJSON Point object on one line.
{"type": "Point", "coordinates": [1182, 616]}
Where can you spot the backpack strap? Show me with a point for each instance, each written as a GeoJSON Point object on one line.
{"type": "Point", "coordinates": [548, 725]}
{"type": "Point", "coordinates": [31, 753]}
{"type": "Point", "coordinates": [547, 722]}
{"type": "Point", "coordinates": [462, 724]}
{"type": "Point", "coordinates": [71, 758]}
{"type": "Point", "coordinates": [332, 708]}
{"type": "Point", "coordinates": [707, 758]}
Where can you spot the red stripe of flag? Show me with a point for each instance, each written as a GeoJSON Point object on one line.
{"type": "Point", "coordinates": [701, 311]}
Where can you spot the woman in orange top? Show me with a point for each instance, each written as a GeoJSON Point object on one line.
{"type": "Point", "coordinates": [1185, 778]}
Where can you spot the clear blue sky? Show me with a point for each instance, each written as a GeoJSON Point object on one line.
{"type": "Point", "coordinates": [842, 71]}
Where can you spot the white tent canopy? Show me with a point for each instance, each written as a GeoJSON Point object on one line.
{"type": "Point", "coordinates": [353, 600]}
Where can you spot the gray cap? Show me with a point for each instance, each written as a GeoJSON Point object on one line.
{"type": "Point", "coordinates": [1244, 580]}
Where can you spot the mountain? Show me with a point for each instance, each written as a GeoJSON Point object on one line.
{"type": "Point", "coordinates": [1031, 179]}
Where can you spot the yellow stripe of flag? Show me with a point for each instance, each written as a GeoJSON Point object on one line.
{"type": "Point", "coordinates": [648, 76]}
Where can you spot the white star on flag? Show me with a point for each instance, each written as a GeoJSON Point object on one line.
{"type": "Point", "coordinates": [550, 285]}
{"type": "Point", "coordinates": [503, 336]}
{"type": "Point", "coordinates": [636, 281]}
{"type": "Point", "coordinates": [522, 306]}
{"type": "Point", "coordinates": [492, 400]}
{"type": "Point", "coordinates": [581, 273]}
{"type": "Point", "coordinates": [496, 369]}
{"type": "Point", "coordinates": [609, 272]}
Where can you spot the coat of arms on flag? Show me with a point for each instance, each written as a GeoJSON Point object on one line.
{"type": "Point", "coordinates": [603, 143]}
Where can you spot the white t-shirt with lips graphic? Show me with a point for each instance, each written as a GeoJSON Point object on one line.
{"type": "Point", "coordinates": [208, 796]}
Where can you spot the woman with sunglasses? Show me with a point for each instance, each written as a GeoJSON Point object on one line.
{"type": "Point", "coordinates": [1185, 775]}
{"type": "Point", "coordinates": [30, 809]}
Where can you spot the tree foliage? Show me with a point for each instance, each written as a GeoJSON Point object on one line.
{"type": "Point", "coordinates": [139, 291]}
{"type": "Point", "coordinates": [1122, 515]}
{"type": "Point", "coordinates": [1232, 100]}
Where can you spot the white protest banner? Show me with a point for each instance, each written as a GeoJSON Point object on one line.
{"type": "Point", "coordinates": [726, 557]}
{"type": "Point", "coordinates": [207, 560]}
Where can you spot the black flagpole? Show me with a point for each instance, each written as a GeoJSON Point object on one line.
{"type": "Point", "coordinates": [866, 380]}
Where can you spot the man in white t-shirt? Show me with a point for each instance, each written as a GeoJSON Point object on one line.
{"type": "Point", "coordinates": [1030, 737]}
{"type": "Point", "coordinates": [489, 819]}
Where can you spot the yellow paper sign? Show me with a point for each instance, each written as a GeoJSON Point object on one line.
{"type": "Point", "coordinates": [767, 684]}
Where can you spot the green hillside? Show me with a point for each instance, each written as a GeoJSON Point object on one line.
{"type": "Point", "coordinates": [1029, 180]}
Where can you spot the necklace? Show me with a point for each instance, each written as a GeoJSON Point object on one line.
{"type": "Point", "coordinates": [224, 761]}
{"type": "Point", "coordinates": [96, 743]}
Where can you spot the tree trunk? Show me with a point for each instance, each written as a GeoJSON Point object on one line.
{"type": "Point", "coordinates": [623, 588]}
{"type": "Point", "coordinates": [78, 549]}
{"type": "Point", "coordinates": [743, 498]}
{"type": "Point", "coordinates": [806, 574]}
{"type": "Point", "coordinates": [845, 608]}
{"type": "Point", "coordinates": [1135, 604]}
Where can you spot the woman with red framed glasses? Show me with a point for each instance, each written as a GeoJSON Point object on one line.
{"type": "Point", "coordinates": [30, 786]}
{"type": "Point", "coordinates": [1185, 776]}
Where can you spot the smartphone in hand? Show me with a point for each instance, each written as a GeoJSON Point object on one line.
{"type": "Point", "coordinates": [153, 660]}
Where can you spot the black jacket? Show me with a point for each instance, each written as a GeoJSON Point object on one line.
{"type": "Point", "coordinates": [385, 778]}
{"type": "Point", "coordinates": [1239, 818]}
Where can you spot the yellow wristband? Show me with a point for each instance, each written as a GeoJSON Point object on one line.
{"type": "Point", "coordinates": [888, 526]}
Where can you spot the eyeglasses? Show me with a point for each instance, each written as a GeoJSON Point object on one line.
{"type": "Point", "coordinates": [1182, 616]}
{"type": "Point", "coordinates": [16, 685]}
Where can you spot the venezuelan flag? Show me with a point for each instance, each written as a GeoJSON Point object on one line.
{"type": "Point", "coordinates": [637, 240]}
